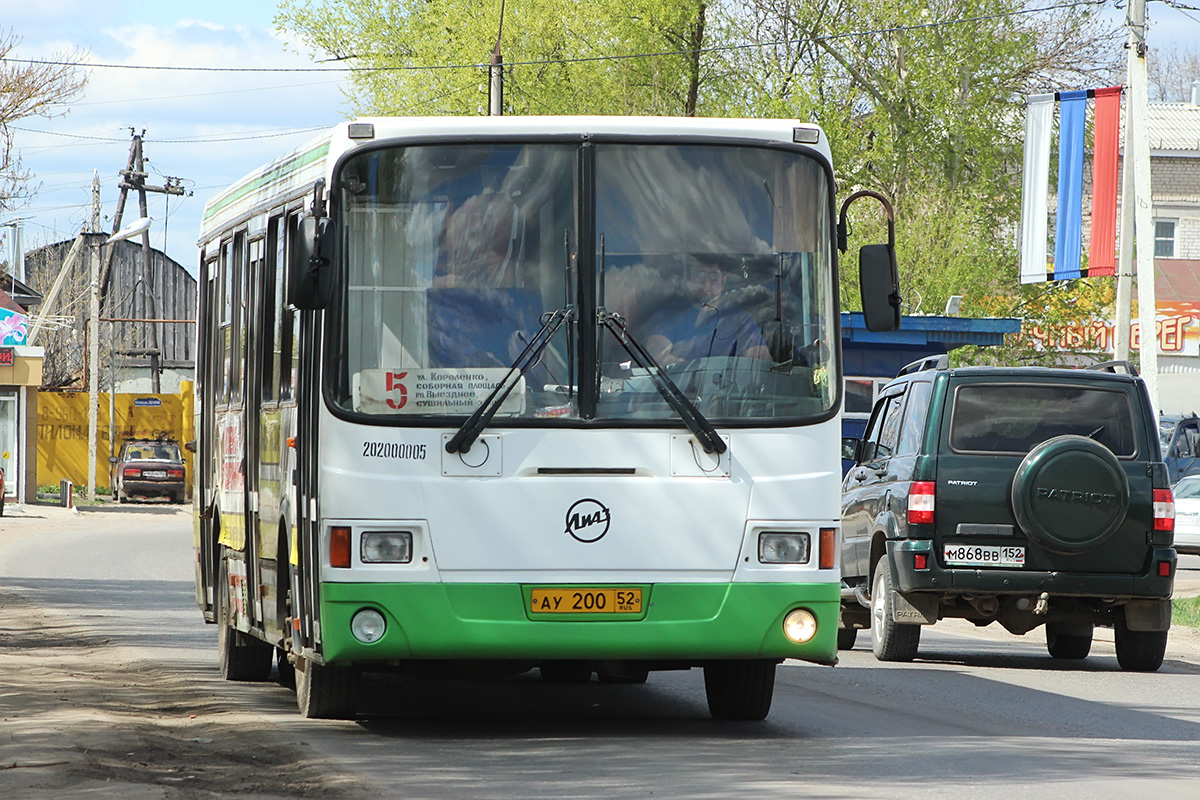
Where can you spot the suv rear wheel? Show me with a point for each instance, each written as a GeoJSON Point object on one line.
{"type": "Point", "coordinates": [891, 640]}
{"type": "Point", "coordinates": [1139, 651]}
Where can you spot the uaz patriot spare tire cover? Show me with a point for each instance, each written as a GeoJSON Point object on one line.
{"type": "Point", "coordinates": [1070, 494]}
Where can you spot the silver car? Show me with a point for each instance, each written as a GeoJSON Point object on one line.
{"type": "Point", "coordinates": [1187, 515]}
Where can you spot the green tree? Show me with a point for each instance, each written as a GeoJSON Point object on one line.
{"type": "Point", "coordinates": [923, 100]}
{"type": "Point", "coordinates": [562, 57]}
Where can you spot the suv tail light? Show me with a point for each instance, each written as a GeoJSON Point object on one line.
{"type": "Point", "coordinates": [921, 500]}
{"type": "Point", "coordinates": [1164, 510]}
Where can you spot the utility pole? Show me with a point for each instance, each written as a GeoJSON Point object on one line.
{"type": "Point", "coordinates": [133, 177]}
{"type": "Point", "coordinates": [93, 344]}
{"type": "Point", "coordinates": [95, 202]}
{"type": "Point", "coordinates": [496, 73]}
{"type": "Point", "coordinates": [1140, 204]}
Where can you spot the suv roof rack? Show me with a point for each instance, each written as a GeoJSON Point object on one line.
{"type": "Point", "coordinates": [1117, 367]}
{"type": "Point", "coordinates": [941, 361]}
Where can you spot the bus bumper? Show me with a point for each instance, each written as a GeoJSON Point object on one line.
{"type": "Point", "coordinates": [686, 622]}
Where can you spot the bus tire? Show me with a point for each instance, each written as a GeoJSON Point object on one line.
{"type": "Point", "coordinates": [325, 692]}
{"type": "Point", "coordinates": [285, 670]}
{"type": "Point", "coordinates": [241, 656]}
{"type": "Point", "coordinates": [739, 690]}
{"type": "Point", "coordinates": [846, 638]}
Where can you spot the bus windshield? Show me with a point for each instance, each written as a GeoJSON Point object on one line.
{"type": "Point", "coordinates": [713, 259]}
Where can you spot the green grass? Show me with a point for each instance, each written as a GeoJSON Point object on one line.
{"type": "Point", "coordinates": [1186, 611]}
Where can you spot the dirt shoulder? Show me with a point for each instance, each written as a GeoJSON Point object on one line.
{"type": "Point", "coordinates": [81, 716]}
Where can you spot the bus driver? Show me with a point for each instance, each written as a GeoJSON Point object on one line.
{"type": "Point", "coordinates": [702, 323]}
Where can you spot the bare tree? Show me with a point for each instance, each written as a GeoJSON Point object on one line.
{"type": "Point", "coordinates": [30, 89]}
{"type": "Point", "coordinates": [1173, 70]}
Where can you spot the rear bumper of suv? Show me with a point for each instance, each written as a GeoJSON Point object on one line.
{"type": "Point", "coordinates": [1009, 582]}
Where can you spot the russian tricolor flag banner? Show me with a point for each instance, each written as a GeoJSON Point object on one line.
{"type": "Point", "coordinates": [1068, 234]}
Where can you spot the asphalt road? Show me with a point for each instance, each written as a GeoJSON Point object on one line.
{"type": "Point", "coordinates": [980, 713]}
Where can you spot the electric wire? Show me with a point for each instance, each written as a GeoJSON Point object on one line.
{"type": "Point", "coordinates": [573, 60]}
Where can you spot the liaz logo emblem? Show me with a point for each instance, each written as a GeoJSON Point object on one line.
{"type": "Point", "coordinates": [587, 520]}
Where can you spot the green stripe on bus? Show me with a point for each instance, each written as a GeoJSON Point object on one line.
{"type": "Point", "coordinates": [489, 621]}
{"type": "Point", "coordinates": [297, 162]}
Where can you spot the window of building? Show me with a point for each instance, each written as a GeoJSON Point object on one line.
{"type": "Point", "coordinates": [1164, 238]}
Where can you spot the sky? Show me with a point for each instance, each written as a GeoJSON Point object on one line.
{"type": "Point", "coordinates": [206, 128]}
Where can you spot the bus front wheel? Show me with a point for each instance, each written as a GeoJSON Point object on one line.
{"type": "Point", "coordinates": [325, 692]}
{"type": "Point", "coordinates": [739, 690]}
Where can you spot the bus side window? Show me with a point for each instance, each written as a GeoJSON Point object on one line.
{"type": "Point", "coordinates": [237, 366]}
{"type": "Point", "coordinates": [225, 334]}
{"type": "Point", "coordinates": [289, 325]}
{"type": "Point", "coordinates": [272, 289]}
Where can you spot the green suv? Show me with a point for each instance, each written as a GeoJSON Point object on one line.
{"type": "Point", "coordinates": [1021, 495]}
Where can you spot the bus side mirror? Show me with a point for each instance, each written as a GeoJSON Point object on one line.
{"type": "Point", "coordinates": [879, 281]}
{"type": "Point", "coordinates": [878, 277]}
{"type": "Point", "coordinates": [309, 259]}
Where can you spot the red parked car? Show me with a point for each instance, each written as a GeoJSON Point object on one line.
{"type": "Point", "coordinates": [150, 468]}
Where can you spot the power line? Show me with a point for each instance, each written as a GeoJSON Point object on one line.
{"type": "Point", "coordinates": [268, 134]}
{"type": "Point", "coordinates": [576, 60]}
{"type": "Point", "coordinates": [275, 88]}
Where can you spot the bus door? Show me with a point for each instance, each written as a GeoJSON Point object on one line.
{"type": "Point", "coordinates": [307, 574]}
{"type": "Point", "coordinates": [253, 336]}
{"type": "Point", "coordinates": [208, 384]}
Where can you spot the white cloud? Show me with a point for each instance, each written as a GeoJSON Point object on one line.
{"type": "Point", "coordinates": [175, 108]}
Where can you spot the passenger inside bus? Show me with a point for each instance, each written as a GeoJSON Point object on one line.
{"type": "Point", "coordinates": [701, 321]}
{"type": "Point", "coordinates": [480, 312]}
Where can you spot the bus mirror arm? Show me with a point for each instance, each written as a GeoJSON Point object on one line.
{"type": "Point", "coordinates": [696, 422]}
{"type": "Point", "coordinates": [878, 276]}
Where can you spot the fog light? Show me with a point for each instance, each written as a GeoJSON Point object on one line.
{"type": "Point", "coordinates": [385, 547]}
{"type": "Point", "coordinates": [368, 626]}
{"type": "Point", "coordinates": [800, 625]}
{"type": "Point", "coordinates": [783, 548]}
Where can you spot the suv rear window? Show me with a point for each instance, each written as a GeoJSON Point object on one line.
{"type": "Point", "coordinates": [1013, 418]}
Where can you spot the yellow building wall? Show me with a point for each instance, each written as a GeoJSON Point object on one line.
{"type": "Point", "coordinates": [63, 431]}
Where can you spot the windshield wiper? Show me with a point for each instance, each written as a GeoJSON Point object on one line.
{"type": "Point", "coordinates": [467, 434]}
{"type": "Point", "coordinates": [700, 427]}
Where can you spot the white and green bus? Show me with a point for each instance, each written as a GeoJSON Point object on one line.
{"type": "Point", "coordinates": [555, 393]}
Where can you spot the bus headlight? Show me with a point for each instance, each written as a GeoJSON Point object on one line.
{"type": "Point", "coordinates": [386, 547]}
{"type": "Point", "coordinates": [783, 548]}
{"type": "Point", "coordinates": [800, 625]}
{"type": "Point", "coordinates": [368, 626]}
